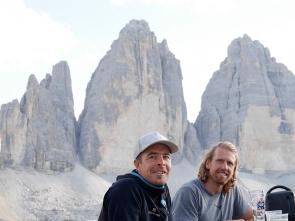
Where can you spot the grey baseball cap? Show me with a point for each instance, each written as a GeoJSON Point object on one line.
{"type": "Point", "coordinates": [152, 138]}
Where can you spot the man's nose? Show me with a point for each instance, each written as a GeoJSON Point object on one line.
{"type": "Point", "coordinates": [224, 165]}
{"type": "Point", "coordinates": [160, 160]}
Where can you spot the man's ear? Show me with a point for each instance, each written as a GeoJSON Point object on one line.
{"type": "Point", "coordinates": [207, 164]}
{"type": "Point", "coordinates": [136, 163]}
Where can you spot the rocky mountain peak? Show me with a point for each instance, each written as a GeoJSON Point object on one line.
{"type": "Point", "coordinates": [137, 85]}
{"type": "Point", "coordinates": [45, 83]}
{"type": "Point", "coordinates": [136, 25]}
{"type": "Point", "coordinates": [248, 50]}
{"type": "Point", "coordinates": [61, 83]}
{"type": "Point", "coordinates": [40, 132]}
{"type": "Point", "coordinates": [249, 101]}
{"type": "Point", "coordinates": [32, 82]}
{"type": "Point", "coordinates": [136, 34]}
{"type": "Point", "coordinates": [164, 44]}
{"type": "Point", "coordinates": [135, 29]}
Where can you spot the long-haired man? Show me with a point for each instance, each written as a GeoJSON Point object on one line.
{"type": "Point", "coordinates": [213, 196]}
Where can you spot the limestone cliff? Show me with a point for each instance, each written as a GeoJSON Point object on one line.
{"type": "Point", "coordinates": [250, 101]}
{"type": "Point", "coordinates": [136, 88]}
{"type": "Point", "coordinates": [39, 132]}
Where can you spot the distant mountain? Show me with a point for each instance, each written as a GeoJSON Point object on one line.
{"type": "Point", "coordinates": [250, 101]}
{"type": "Point", "coordinates": [136, 88]}
{"type": "Point", "coordinates": [39, 132]}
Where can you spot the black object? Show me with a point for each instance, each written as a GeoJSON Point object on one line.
{"type": "Point", "coordinates": [281, 200]}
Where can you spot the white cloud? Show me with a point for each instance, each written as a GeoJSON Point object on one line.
{"type": "Point", "coordinates": [120, 2]}
{"type": "Point", "coordinates": [176, 4]}
{"type": "Point", "coordinates": [169, 3]}
{"type": "Point", "coordinates": [30, 42]}
{"type": "Point", "coordinates": [28, 37]}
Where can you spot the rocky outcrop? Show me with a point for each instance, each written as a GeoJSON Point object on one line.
{"type": "Point", "coordinates": [136, 88]}
{"type": "Point", "coordinates": [250, 102]}
{"type": "Point", "coordinates": [12, 134]}
{"type": "Point", "coordinates": [192, 150]}
{"type": "Point", "coordinates": [40, 131]}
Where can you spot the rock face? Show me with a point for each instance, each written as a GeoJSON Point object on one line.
{"type": "Point", "coordinates": [192, 150]}
{"type": "Point", "coordinates": [39, 132]}
{"type": "Point", "coordinates": [136, 88]}
{"type": "Point", "coordinates": [12, 134]}
{"type": "Point", "coordinates": [250, 102]}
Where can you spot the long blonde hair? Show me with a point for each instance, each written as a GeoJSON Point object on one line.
{"type": "Point", "coordinates": [203, 173]}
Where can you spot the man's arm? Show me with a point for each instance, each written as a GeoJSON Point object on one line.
{"type": "Point", "coordinates": [248, 216]}
{"type": "Point", "coordinates": [242, 208]}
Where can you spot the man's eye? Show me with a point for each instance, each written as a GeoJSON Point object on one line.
{"type": "Point", "coordinates": [167, 157]}
{"type": "Point", "coordinates": [151, 157]}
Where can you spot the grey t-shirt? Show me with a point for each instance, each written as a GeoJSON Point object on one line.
{"type": "Point", "coordinates": [193, 202]}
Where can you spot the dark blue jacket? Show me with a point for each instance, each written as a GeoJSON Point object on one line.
{"type": "Point", "coordinates": [132, 198]}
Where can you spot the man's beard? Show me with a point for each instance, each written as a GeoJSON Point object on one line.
{"type": "Point", "coordinates": [221, 179]}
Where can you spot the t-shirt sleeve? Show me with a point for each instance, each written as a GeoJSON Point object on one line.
{"type": "Point", "coordinates": [123, 204]}
{"type": "Point", "coordinates": [184, 205]}
{"type": "Point", "coordinates": [241, 205]}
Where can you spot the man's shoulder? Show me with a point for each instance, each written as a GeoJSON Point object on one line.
{"type": "Point", "coordinates": [124, 188]}
{"type": "Point", "coordinates": [191, 186]}
{"type": "Point", "coordinates": [192, 183]}
{"type": "Point", "coordinates": [238, 191]}
{"type": "Point", "coordinates": [242, 190]}
{"type": "Point", "coordinates": [189, 195]}
{"type": "Point", "coordinates": [237, 188]}
{"type": "Point", "coordinates": [125, 183]}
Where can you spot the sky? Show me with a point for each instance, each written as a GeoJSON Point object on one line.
{"type": "Point", "coordinates": [36, 34]}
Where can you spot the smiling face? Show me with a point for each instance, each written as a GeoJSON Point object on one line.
{"type": "Point", "coordinates": [154, 164]}
{"type": "Point", "coordinates": [221, 167]}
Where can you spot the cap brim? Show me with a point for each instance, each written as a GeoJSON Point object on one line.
{"type": "Point", "coordinates": [172, 146]}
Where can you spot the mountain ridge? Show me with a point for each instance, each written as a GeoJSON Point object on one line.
{"type": "Point", "coordinates": [137, 87]}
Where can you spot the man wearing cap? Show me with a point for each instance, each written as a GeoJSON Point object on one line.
{"type": "Point", "coordinates": [143, 195]}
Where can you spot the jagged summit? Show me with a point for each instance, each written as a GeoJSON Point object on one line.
{"type": "Point", "coordinates": [250, 51]}
{"type": "Point", "coordinates": [32, 82]}
{"type": "Point", "coordinates": [136, 25]}
{"type": "Point", "coordinates": [250, 101]}
{"type": "Point", "coordinates": [137, 86]}
{"type": "Point", "coordinates": [40, 131]}
{"type": "Point", "coordinates": [137, 30]}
